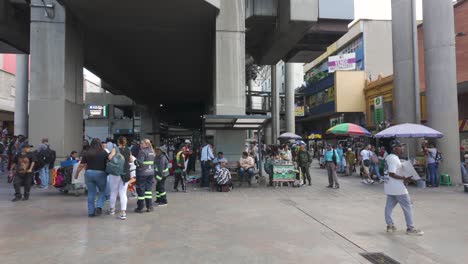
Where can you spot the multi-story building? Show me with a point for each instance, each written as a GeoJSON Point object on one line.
{"type": "Point", "coordinates": [336, 79]}
{"type": "Point", "coordinates": [7, 91]}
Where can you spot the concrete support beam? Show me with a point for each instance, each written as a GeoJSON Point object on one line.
{"type": "Point", "coordinates": [56, 102]}
{"type": "Point", "coordinates": [405, 71]}
{"type": "Point", "coordinates": [275, 105]}
{"type": "Point", "coordinates": [21, 94]}
{"type": "Point", "coordinates": [441, 83]}
{"type": "Point", "coordinates": [404, 61]}
{"type": "Point", "coordinates": [229, 98]}
{"type": "Point", "coordinates": [289, 87]}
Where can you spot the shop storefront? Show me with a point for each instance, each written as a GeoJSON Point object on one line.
{"type": "Point", "coordinates": [379, 104]}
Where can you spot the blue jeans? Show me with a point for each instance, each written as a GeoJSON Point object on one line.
{"type": "Point", "coordinates": [242, 172]}
{"type": "Point", "coordinates": [463, 173]}
{"type": "Point", "coordinates": [375, 167]}
{"type": "Point", "coordinates": [432, 174]}
{"type": "Point", "coordinates": [44, 176]}
{"type": "Point", "coordinates": [205, 171]}
{"type": "Point", "coordinates": [405, 204]}
{"type": "Point", "coordinates": [95, 179]}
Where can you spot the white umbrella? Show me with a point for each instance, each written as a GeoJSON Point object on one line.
{"type": "Point", "coordinates": [289, 135]}
{"type": "Point", "coordinates": [409, 130]}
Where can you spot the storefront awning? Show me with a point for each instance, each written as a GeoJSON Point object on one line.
{"type": "Point", "coordinates": [234, 122]}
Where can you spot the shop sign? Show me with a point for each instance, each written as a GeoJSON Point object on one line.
{"type": "Point", "coordinates": [299, 111]}
{"type": "Point", "coordinates": [463, 125]}
{"type": "Point", "coordinates": [96, 111]}
{"type": "Point", "coordinates": [336, 120]}
{"type": "Point", "coordinates": [378, 109]}
{"type": "Point", "coordinates": [343, 62]}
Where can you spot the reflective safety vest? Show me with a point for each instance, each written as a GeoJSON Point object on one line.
{"type": "Point", "coordinates": [180, 161]}
{"type": "Point", "coordinates": [146, 159]}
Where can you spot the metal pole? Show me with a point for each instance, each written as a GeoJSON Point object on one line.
{"type": "Point", "coordinates": [259, 151]}
{"type": "Point", "coordinates": [21, 95]}
{"type": "Point", "coordinates": [417, 103]}
{"type": "Point", "coordinates": [275, 105]}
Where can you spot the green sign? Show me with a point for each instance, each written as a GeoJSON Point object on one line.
{"type": "Point", "coordinates": [284, 173]}
{"type": "Point", "coordinates": [378, 110]}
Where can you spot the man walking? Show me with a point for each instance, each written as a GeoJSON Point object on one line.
{"type": "Point", "coordinates": [396, 191]}
{"type": "Point", "coordinates": [331, 159]}
{"type": "Point", "coordinates": [206, 158]}
{"type": "Point", "coordinates": [22, 171]}
{"type": "Point", "coordinates": [366, 163]}
{"type": "Point", "coordinates": [303, 161]}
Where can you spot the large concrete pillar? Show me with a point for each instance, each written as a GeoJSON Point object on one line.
{"type": "Point", "coordinates": [289, 87]}
{"type": "Point", "coordinates": [21, 94]}
{"type": "Point", "coordinates": [441, 83]}
{"type": "Point", "coordinates": [56, 98]}
{"type": "Point", "coordinates": [275, 105]}
{"type": "Point", "coordinates": [405, 63]}
{"type": "Point", "coordinates": [268, 134]}
{"type": "Point", "coordinates": [230, 96]}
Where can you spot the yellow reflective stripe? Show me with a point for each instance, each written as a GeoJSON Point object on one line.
{"type": "Point", "coordinates": [147, 192]}
{"type": "Point", "coordinates": [166, 170]}
{"type": "Point", "coordinates": [149, 197]}
{"type": "Point", "coordinates": [158, 177]}
{"type": "Point", "coordinates": [162, 194]}
{"type": "Point", "coordinates": [158, 195]}
{"type": "Point", "coordinates": [141, 198]}
{"type": "Point", "coordinates": [148, 162]}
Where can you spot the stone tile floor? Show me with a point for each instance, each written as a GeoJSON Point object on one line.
{"type": "Point", "coordinates": [248, 225]}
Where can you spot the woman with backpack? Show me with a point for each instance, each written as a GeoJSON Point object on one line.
{"type": "Point", "coordinates": [94, 161]}
{"type": "Point", "coordinates": [119, 183]}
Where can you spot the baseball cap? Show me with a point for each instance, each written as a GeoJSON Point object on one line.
{"type": "Point", "coordinates": [396, 143]}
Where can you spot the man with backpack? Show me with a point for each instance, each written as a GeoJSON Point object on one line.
{"type": "Point", "coordinates": [432, 163]}
{"type": "Point", "coordinates": [48, 156]}
{"type": "Point", "coordinates": [303, 161]}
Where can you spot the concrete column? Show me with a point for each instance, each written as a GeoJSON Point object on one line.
{"type": "Point", "coordinates": [268, 134]}
{"type": "Point", "coordinates": [289, 92]}
{"type": "Point", "coordinates": [275, 105]}
{"type": "Point", "coordinates": [56, 98]}
{"type": "Point", "coordinates": [405, 71]}
{"type": "Point", "coordinates": [441, 82]}
{"type": "Point", "coordinates": [21, 94]}
{"type": "Point", "coordinates": [229, 98]}
{"type": "Point", "coordinates": [250, 84]}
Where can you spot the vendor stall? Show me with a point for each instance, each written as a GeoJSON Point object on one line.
{"type": "Point", "coordinates": [283, 171]}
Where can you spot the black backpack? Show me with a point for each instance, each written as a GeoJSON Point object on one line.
{"type": "Point", "coordinates": [40, 160]}
{"type": "Point", "coordinates": [49, 155]}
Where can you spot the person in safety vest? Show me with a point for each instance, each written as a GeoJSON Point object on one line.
{"type": "Point", "coordinates": [162, 171]}
{"type": "Point", "coordinates": [144, 176]}
{"type": "Point", "coordinates": [179, 170]}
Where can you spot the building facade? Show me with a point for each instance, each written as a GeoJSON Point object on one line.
{"type": "Point", "coordinates": [336, 80]}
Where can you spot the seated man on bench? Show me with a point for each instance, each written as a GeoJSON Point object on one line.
{"type": "Point", "coordinates": [223, 177]}
{"type": "Point", "coordinates": [246, 165]}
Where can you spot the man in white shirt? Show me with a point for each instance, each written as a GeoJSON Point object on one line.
{"type": "Point", "coordinates": [396, 191]}
{"type": "Point", "coordinates": [365, 163]}
{"type": "Point", "coordinates": [246, 166]}
{"type": "Point", "coordinates": [206, 158]}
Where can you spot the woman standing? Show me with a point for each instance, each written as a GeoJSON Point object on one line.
{"type": "Point", "coordinates": [144, 176]}
{"type": "Point", "coordinates": [117, 183]}
{"type": "Point", "coordinates": [94, 161]}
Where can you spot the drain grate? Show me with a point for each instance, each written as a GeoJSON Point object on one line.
{"type": "Point", "coordinates": [379, 258]}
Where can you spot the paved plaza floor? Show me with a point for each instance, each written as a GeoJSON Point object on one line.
{"type": "Point", "coordinates": [248, 225]}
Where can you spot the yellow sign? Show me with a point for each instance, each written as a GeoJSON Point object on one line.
{"type": "Point", "coordinates": [299, 111]}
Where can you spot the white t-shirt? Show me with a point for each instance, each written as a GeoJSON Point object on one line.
{"type": "Point", "coordinates": [365, 154]}
{"type": "Point", "coordinates": [431, 154]}
{"type": "Point", "coordinates": [393, 186]}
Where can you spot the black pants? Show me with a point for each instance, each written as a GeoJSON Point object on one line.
{"type": "Point", "coordinates": [179, 177]}
{"type": "Point", "coordinates": [23, 179]}
{"type": "Point", "coordinates": [306, 173]}
{"type": "Point", "coordinates": [161, 196]}
{"type": "Point", "coordinates": [143, 188]}
{"type": "Point", "coordinates": [205, 171]}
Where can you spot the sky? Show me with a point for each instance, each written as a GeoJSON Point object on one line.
{"type": "Point", "coordinates": [379, 9]}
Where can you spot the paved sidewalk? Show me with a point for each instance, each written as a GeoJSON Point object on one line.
{"type": "Point", "coordinates": [248, 225]}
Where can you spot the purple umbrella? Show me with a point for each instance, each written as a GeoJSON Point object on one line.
{"type": "Point", "coordinates": [409, 131]}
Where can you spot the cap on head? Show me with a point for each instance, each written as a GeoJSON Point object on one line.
{"type": "Point", "coordinates": [349, 149]}
{"type": "Point", "coordinates": [396, 143]}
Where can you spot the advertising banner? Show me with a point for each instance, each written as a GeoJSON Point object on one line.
{"type": "Point", "coordinates": [343, 62]}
